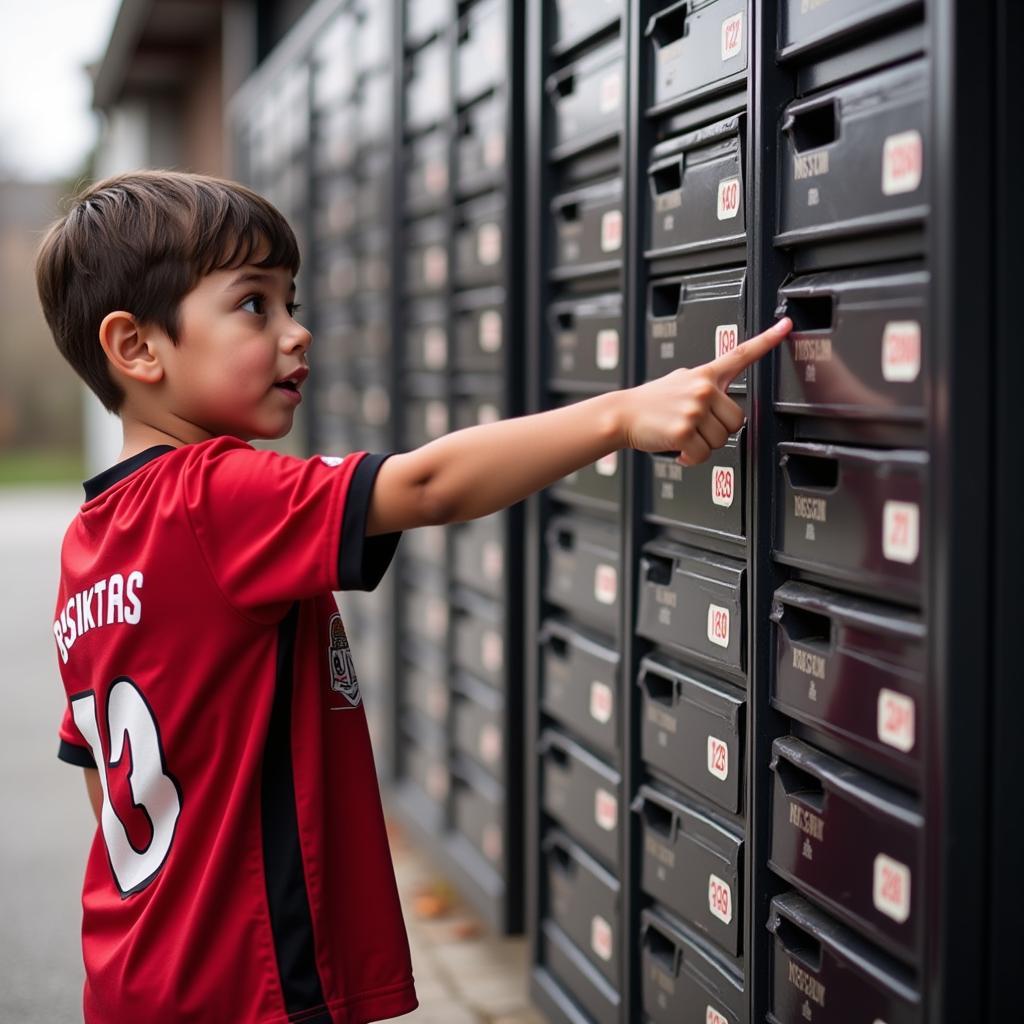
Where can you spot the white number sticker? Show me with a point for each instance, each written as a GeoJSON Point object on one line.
{"type": "Point", "coordinates": [492, 650]}
{"type": "Point", "coordinates": [891, 890]}
{"type": "Point", "coordinates": [611, 92]}
{"type": "Point", "coordinates": [732, 36]}
{"type": "Point", "coordinates": [606, 583]}
{"type": "Point", "coordinates": [492, 842]}
{"type": "Point", "coordinates": [713, 1016]}
{"type": "Point", "coordinates": [494, 150]}
{"type": "Point", "coordinates": [720, 899]}
{"type": "Point", "coordinates": [607, 349]}
{"type": "Point", "coordinates": [728, 198]}
{"type": "Point", "coordinates": [436, 418]}
{"type": "Point", "coordinates": [611, 231]}
{"type": "Point", "coordinates": [493, 559]}
{"type": "Point", "coordinates": [718, 758]}
{"type": "Point", "coordinates": [608, 464]}
{"type": "Point", "coordinates": [489, 331]}
{"type": "Point", "coordinates": [601, 702]}
{"type": "Point", "coordinates": [435, 266]}
{"type": "Point", "coordinates": [726, 338]}
{"type": "Point", "coordinates": [902, 163]}
{"type": "Point", "coordinates": [487, 412]}
{"type": "Point", "coordinates": [722, 485]}
{"type": "Point", "coordinates": [901, 351]}
{"type": "Point", "coordinates": [901, 531]}
{"type": "Point", "coordinates": [896, 719]}
{"type": "Point", "coordinates": [601, 937]}
{"type": "Point", "coordinates": [489, 744]}
{"type": "Point", "coordinates": [718, 625]}
{"type": "Point", "coordinates": [606, 810]}
{"type": "Point", "coordinates": [435, 347]}
{"type": "Point", "coordinates": [488, 243]}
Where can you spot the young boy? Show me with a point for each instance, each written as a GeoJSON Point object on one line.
{"type": "Point", "coordinates": [240, 872]}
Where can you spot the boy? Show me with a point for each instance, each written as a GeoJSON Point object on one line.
{"type": "Point", "coordinates": [240, 872]}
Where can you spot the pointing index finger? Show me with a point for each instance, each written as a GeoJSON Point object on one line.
{"type": "Point", "coordinates": [730, 365]}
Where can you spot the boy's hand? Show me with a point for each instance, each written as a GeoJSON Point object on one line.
{"type": "Point", "coordinates": [688, 411]}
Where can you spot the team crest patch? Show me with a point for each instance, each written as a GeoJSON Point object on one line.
{"type": "Point", "coordinates": [339, 658]}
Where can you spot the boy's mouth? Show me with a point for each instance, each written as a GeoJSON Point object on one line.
{"type": "Point", "coordinates": [294, 380]}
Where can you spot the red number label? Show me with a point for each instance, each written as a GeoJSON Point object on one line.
{"type": "Point", "coordinates": [719, 899]}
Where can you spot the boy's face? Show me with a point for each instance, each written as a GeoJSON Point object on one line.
{"type": "Point", "coordinates": [237, 345]}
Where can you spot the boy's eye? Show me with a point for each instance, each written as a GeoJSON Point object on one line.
{"type": "Point", "coordinates": [256, 301]}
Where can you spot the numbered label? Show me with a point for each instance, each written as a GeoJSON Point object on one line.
{"type": "Point", "coordinates": [152, 788]}
{"type": "Point", "coordinates": [435, 177]}
{"type": "Point", "coordinates": [718, 625]}
{"type": "Point", "coordinates": [435, 348]}
{"type": "Point", "coordinates": [901, 531]}
{"type": "Point", "coordinates": [489, 744]}
{"type": "Point", "coordinates": [891, 891]}
{"type": "Point", "coordinates": [487, 412]}
{"type": "Point", "coordinates": [601, 937]}
{"type": "Point", "coordinates": [601, 702]}
{"type": "Point", "coordinates": [728, 198]}
{"type": "Point", "coordinates": [901, 351]}
{"type": "Point", "coordinates": [435, 266]}
{"type": "Point", "coordinates": [488, 244]}
{"type": "Point", "coordinates": [720, 899]}
{"type": "Point", "coordinates": [718, 758]}
{"type": "Point", "coordinates": [494, 150]}
{"type": "Point", "coordinates": [608, 464]}
{"type": "Point", "coordinates": [723, 481]}
{"type": "Point", "coordinates": [713, 1016]}
{"type": "Point", "coordinates": [606, 810]}
{"type": "Point", "coordinates": [489, 331]}
{"type": "Point", "coordinates": [607, 349]}
{"type": "Point", "coordinates": [902, 163]}
{"type": "Point", "coordinates": [436, 418]}
{"type": "Point", "coordinates": [606, 583]}
{"type": "Point", "coordinates": [611, 231]}
{"type": "Point", "coordinates": [493, 559]}
{"type": "Point", "coordinates": [610, 92]}
{"type": "Point", "coordinates": [492, 650]}
{"type": "Point", "coordinates": [492, 842]}
{"type": "Point", "coordinates": [896, 720]}
{"type": "Point", "coordinates": [732, 36]}
{"type": "Point", "coordinates": [726, 338]}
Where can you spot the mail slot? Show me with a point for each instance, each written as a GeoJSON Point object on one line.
{"type": "Point", "coordinates": [475, 410]}
{"type": "Point", "coordinates": [588, 229]}
{"type": "Point", "coordinates": [579, 685]}
{"type": "Point", "coordinates": [855, 670]}
{"type": "Point", "coordinates": [823, 971]}
{"type": "Point", "coordinates": [855, 514]}
{"type": "Point", "coordinates": [586, 349]}
{"type": "Point", "coordinates": [425, 419]}
{"type": "Point", "coordinates": [427, 86]}
{"type": "Point", "coordinates": [423, 684]}
{"type": "Point", "coordinates": [708, 498]}
{"type": "Point", "coordinates": [853, 159]}
{"type": "Point", "coordinates": [480, 57]}
{"type": "Point", "coordinates": [478, 717]}
{"type": "Point", "coordinates": [692, 730]}
{"type": "Point", "coordinates": [693, 865]}
{"type": "Point", "coordinates": [480, 241]}
{"type": "Point", "coordinates": [426, 260]}
{"type": "Point", "coordinates": [858, 345]}
{"type": "Point", "coordinates": [681, 981]}
{"type": "Point", "coordinates": [806, 26]}
{"type": "Point", "coordinates": [597, 486]}
{"type": "Point", "coordinates": [375, 108]}
{"type": "Point", "coordinates": [426, 18]}
{"type": "Point", "coordinates": [426, 336]}
{"type": "Point", "coordinates": [593, 998]}
{"type": "Point", "coordinates": [693, 601]}
{"type": "Point", "coordinates": [852, 842]}
{"type": "Point", "coordinates": [478, 804]}
{"type": "Point", "coordinates": [583, 899]}
{"type": "Point", "coordinates": [479, 638]}
{"type": "Point", "coordinates": [574, 20]}
{"type": "Point", "coordinates": [583, 570]}
{"type": "Point", "coordinates": [426, 171]}
{"type": "Point", "coordinates": [478, 549]}
{"type": "Point", "coordinates": [582, 794]}
{"type": "Point", "coordinates": [694, 319]}
{"type": "Point", "coordinates": [697, 45]}
{"type": "Point", "coordinates": [695, 184]}
{"type": "Point", "coordinates": [480, 147]}
{"type": "Point", "coordinates": [425, 613]}
{"type": "Point", "coordinates": [588, 99]}
{"type": "Point", "coordinates": [479, 330]}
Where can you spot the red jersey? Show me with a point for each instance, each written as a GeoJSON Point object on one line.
{"type": "Point", "coordinates": [241, 872]}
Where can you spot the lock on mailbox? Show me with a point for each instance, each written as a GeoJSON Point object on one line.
{"type": "Point", "coordinates": [586, 347]}
{"type": "Point", "coordinates": [696, 193]}
{"type": "Point", "coordinates": [579, 685]}
{"type": "Point", "coordinates": [697, 44]}
{"type": "Point", "coordinates": [588, 227]}
{"type": "Point", "coordinates": [855, 514]}
{"type": "Point", "coordinates": [854, 670]}
{"type": "Point", "coordinates": [694, 319]}
{"type": "Point", "coordinates": [858, 345]}
{"type": "Point", "coordinates": [850, 841]}
{"type": "Point", "coordinates": [818, 965]}
{"type": "Point", "coordinates": [681, 980]}
{"type": "Point", "coordinates": [583, 900]}
{"type": "Point", "coordinates": [693, 865]}
{"type": "Point", "coordinates": [583, 570]}
{"type": "Point", "coordinates": [587, 97]}
{"type": "Point", "coordinates": [692, 730]}
{"type": "Point", "coordinates": [853, 159]}
{"type": "Point", "coordinates": [693, 601]}
{"type": "Point", "coordinates": [582, 794]}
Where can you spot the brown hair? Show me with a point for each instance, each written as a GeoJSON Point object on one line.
{"type": "Point", "coordinates": [141, 242]}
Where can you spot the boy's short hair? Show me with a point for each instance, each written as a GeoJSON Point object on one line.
{"type": "Point", "coordinates": [141, 242]}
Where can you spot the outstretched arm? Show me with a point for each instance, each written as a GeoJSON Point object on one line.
{"type": "Point", "coordinates": [480, 470]}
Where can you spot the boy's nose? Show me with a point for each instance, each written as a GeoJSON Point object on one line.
{"type": "Point", "coordinates": [298, 339]}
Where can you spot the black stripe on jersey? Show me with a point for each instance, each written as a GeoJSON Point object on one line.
{"type": "Point", "coordinates": [362, 560]}
{"type": "Point", "coordinates": [290, 917]}
{"type": "Point", "coordinates": [72, 753]}
{"type": "Point", "coordinates": [96, 485]}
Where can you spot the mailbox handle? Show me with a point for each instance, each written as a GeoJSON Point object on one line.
{"type": "Point", "coordinates": [666, 175]}
{"type": "Point", "coordinates": [809, 313]}
{"type": "Point", "coordinates": [813, 126]}
{"type": "Point", "coordinates": [565, 539]}
{"type": "Point", "coordinates": [800, 784]}
{"type": "Point", "coordinates": [660, 688]}
{"type": "Point", "coordinates": [561, 84]}
{"type": "Point", "coordinates": [811, 472]}
{"type": "Point", "coordinates": [660, 819]}
{"type": "Point", "coordinates": [558, 645]}
{"type": "Point", "coordinates": [661, 947]}
{"type": "Point", "coordinates": [666, 298]}
{"type": "Point", "coordinates": [568, 212]}
{"type": "Point", "coordinates": [810, 629]}
{"type": "Point", "coordinates": [566, 319]}
{"type": "Point", "coordinates": [798, 944]}
{"type": "Point", "coordinates": [668, 25]}
{"type": "Point", "coordinates": [657, 569]}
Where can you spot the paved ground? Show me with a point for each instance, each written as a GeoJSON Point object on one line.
{"type": "Point", "coordinates": [463, 976]}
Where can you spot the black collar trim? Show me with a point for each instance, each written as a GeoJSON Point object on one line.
{"type": "Point", "coordinates": [96, 485]}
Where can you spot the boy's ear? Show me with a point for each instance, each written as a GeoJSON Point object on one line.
{"type": "Point", "coordinates": [129, 349]}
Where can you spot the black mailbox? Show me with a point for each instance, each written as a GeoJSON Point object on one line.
{"type": "Point", "coordinates": [472, 410]}
{"type": "Point", "coordinates": [479, 638]}
{"type": "Point", "coordinates": [586, 348]}
{"type": "Point", "coordinates": [853, 159]}
{"type": "Point", "coordinates": [850, 841]}
{"type": "Point", "coordinates": [694, 602]}
{"type": "Point", "coordinates": [581, 792]}
{"type": "Point", "coordinates": [579, 685]}
{"type": "Point", "coordinates": [587, 97]}
{"type": "Point", "coordinates": [698, 46]}
{"type": "Point", "coordinates": [374, 109]}
{"type": "Point", "coordinates": [427, 86]}
{"type": "Point", "coordinates": [583, 900]}
{"type": "Point", "coordinates": [425, 613]}
{"type": "Point", "coordinates": [425, 419]}
{"type": "Point", "coordinates": [426, 171]}
{"type": "Point", "coordinates": [480, 241]}
{"type": "Point", "coordinates": [478, 549]}
{"type": "Point", "coordinates": [693, 865]}
{"type": "Point", "coordinates": [426, 260]}
{"type": "Point", "coordinates": [478, 724]}
{"type": "Point", "coordinates": [480, 58]}
{"type": "Point", "coordinates": [478, 804]}
{"type": "Point", "coordinates": [821, 971]}
{"type": "Point", "coordinates": [682, 982]}
{"type": "Point", "coordinates": [692, 730]}
{"type": "Point", "coordinates": [806, 26]}
{"type": "Point", "coordinates": [858, 346]}
{"type": "Point", "coordinates": [583, 570]}
{"type": "Point", "coordinates": [593, 998]}
{"type": "Point", "coordinates": [480, 146]}
{"type": "Point", "coordinates": [574, 20]}
{"type": "Point", "coordinates": [853, 669]}
{"type": "Point", "coordinates": [597, 486]}
{"type": "Point", "coordinates": [426, 18]}
{"type": "Point", "coordinates": [855, 514]}
{"type": "Point", "coordinates": [588, 229]}
{"type": "Point", "coordinates": [423, 683]}
{"type": "Point", "coordinates": [426, 336]}
{"type": "Point", "coordinates": [480, 331]}
{"type": "Point", "coordinates": [696, 181]}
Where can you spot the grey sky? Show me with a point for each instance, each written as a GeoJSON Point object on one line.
{"type": "Point", "coordinates": [46, 124]}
